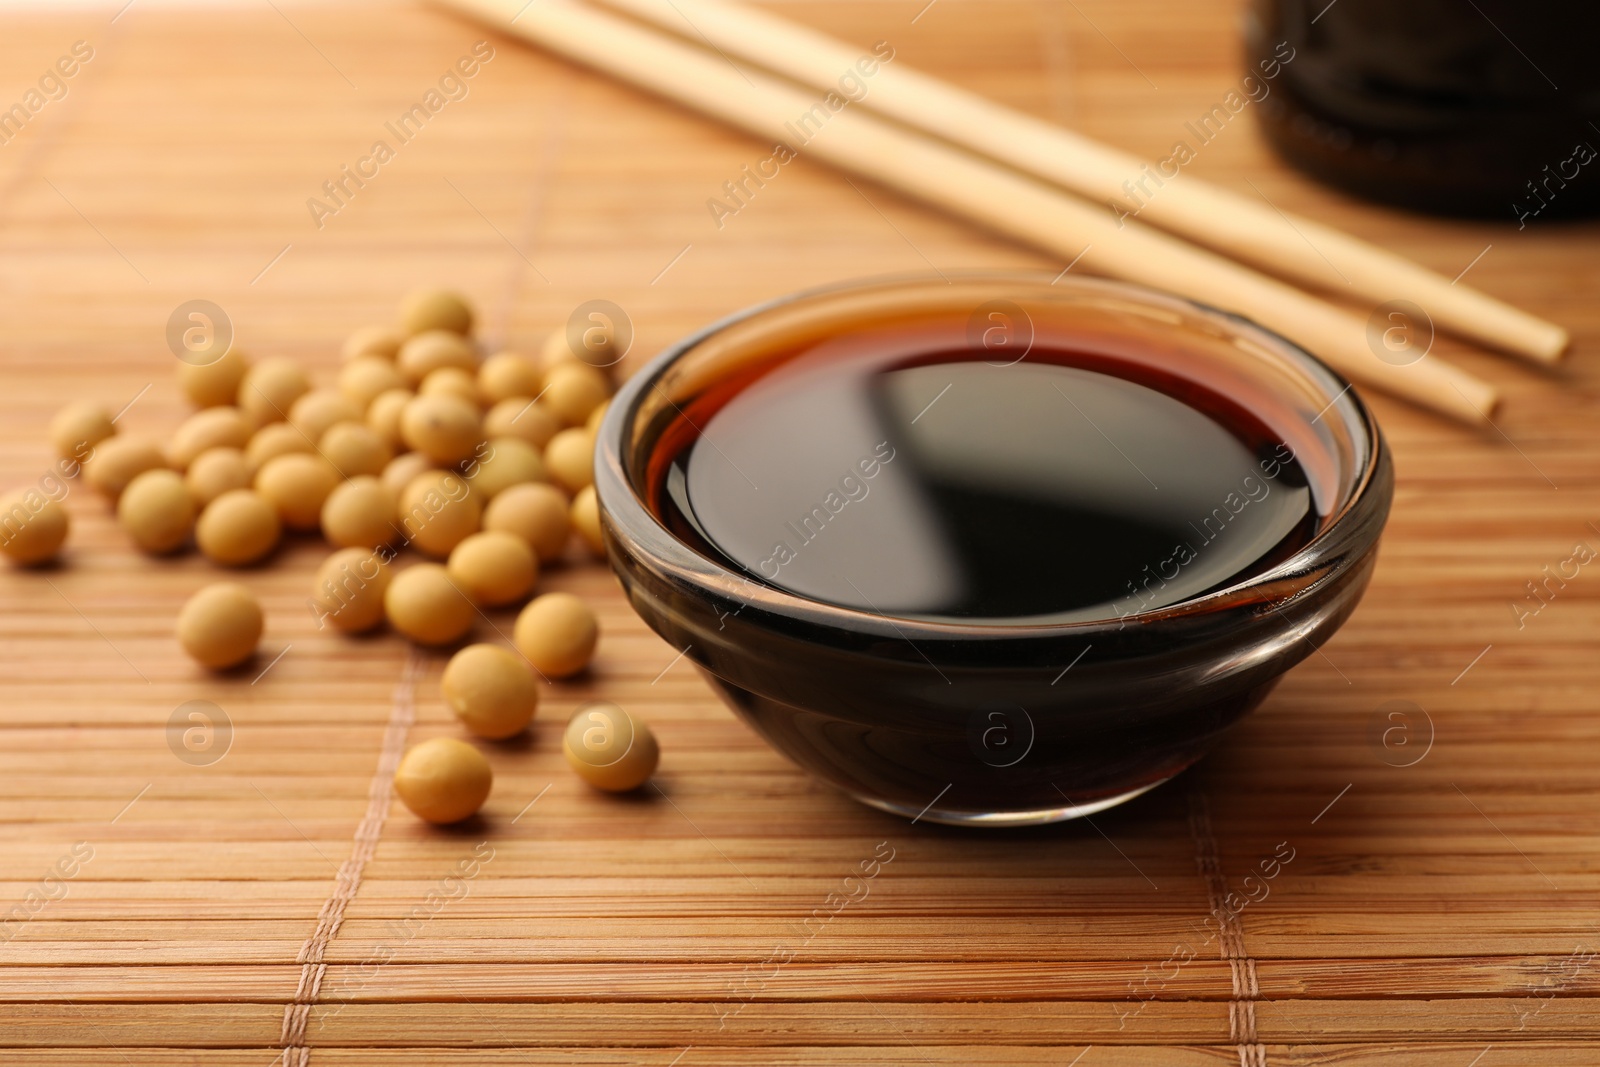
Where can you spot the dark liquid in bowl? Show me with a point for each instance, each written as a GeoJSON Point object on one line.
{"type": "Point", "coordinates": [901, 472]}
{"type": "Point", "coordinates": [946, 484]}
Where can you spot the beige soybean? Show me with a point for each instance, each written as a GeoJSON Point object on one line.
{"type": "Point", "coordinates": [349, 589]}
{"type": "Point", "coordinates": [425, 605]}
{"type": "Point", "coordinates": [451, 381]}
{"type": "Point", "coordinates": [427, 352]}
{"type": "Point", "coordinates": [273, 440]}
{"type": "Point", "coordinates": [33, 526]}
{"type": "Point", "coordinates": [521, 417]}
{"type": "Point", "coordinates": [586, 520]}
{"type": "Point", "coordinates": [157, 511]}
{"type": "Point", "coordinates": [220, 626]}
{"type": "Point", "coordinates": [492, 691]}
{"type": "Point", "coordinates": [573, 390]}
{"type": "Point", "coordinates": [557, 633]}
{"type": "Point", "coordinates": [592, 424]}
{"type": "Point", "coordinates": [443, 780]}
{"type": "Point", "coordinates": [270, 388]}
{"type": "Point", "coordinates": [508, 374]}
{"type": "Point", "coordinates": [439, 510]}
{"type": "Point", "coordinates": [380, 341]}
{"type": "Point", "coordinates": [214, 384]}
{"type": "Point", "coordinates": [365, 378]}
{"type": "Point", "coordinates": [353, 448]}
{"type": "Point", "coordinates": [320, 409]}
{"type": "Point", "coordinates": [555, 351]}
{"type": "Point", "coordinates": [297, 485]}
{"type": "Point", "coordinates": [402, 469]}
{"type": "Point", "coordinates": [507, 461]}
{"type": "Point", "coordinates": [218, 427]}
{"type": "Point", "coordinates": [360, 513]}
{"type": "Point", "coordinates": [446, 429]}
{"type": "Point", "coordinates": [78, 427]}
{"type": "Point", "coordinates": [537, 513]}
{"type": "Point", "coordinates": [118, 460]}
{"type": "Point", "coordinates": [608, 748]}
{"type": "Point", "coordinates": [494, 568]}
{"type": "Point", "coordinates": [436, 309]}
{"type": "Point", "coordinates": [595, 345]}
{"type": "Point", "coordinates": [383, 416]}
{"type": "Point", "coordinates": [237, 528]}
{"type": "Point", "coordinates": [215, 471]}
{"type": "Point", "coordinates": [569, 459]}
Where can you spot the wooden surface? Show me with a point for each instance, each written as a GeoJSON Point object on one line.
{"type": "Point", "coordinates": [1441, 913]}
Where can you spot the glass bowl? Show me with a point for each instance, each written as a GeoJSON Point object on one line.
{"type": "Point", "coordinates": [1005, 723]}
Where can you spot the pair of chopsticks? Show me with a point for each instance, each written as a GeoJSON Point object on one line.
{"type": "Point", "coordinates": [980, 160]}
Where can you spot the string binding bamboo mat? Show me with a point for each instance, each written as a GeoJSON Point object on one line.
{"type": "Point", "coordinates": [270, 907]}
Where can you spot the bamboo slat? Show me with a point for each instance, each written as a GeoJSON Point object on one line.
{"type": "Point", "coordinates": [1431, 911]}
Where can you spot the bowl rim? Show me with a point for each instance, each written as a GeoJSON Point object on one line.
{"type": "Point", "coordinates": [627, 519]}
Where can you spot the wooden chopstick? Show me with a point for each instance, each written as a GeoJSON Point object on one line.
{"type": "Point", "coordinates": [1011, 203]}
{"type": "Point", "coordinates": [1253, 231]}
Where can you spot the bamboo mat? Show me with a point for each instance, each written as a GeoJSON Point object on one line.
{"type": "Point", "coordinates": [266, 908]}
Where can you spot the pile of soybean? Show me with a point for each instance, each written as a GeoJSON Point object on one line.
{"type": "Point", "coordinates": [484, 467]}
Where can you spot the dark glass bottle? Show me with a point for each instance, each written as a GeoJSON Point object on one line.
{"type": "Point", "coordinates": [1487, 108]}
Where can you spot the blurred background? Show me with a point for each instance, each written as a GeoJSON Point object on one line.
{"type": "Point", "coordinates": [186, 155]}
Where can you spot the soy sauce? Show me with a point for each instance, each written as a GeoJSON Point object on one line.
{"type": "Point", "coordinates": [916, 478]}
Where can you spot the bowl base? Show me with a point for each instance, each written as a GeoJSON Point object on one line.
{"type": "Point", "coordinates": [1036, 817]}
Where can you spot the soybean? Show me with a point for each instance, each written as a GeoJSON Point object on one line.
{"type": "Point", "coordinates": [569, 457]}
{"type": "Point", "coordinates": [215, 471]}
{"type": "Point", "coordinates": [446, 429]}
{"type": "Point", "coordinates": [402, 469]}
{"type": "Point", "coordinates": [523, 417]}
{"type": "Point", "coordinates": [353, 448]}
{"type": "Point", "coordinates": [443, 780]}
{"type": "Point", "coordinates": [508, 374]}
{"type": "Point", "coordinates": [557, 633]}
{"type": "Point", "coordinates": [220, 625]}
{"type": "Point", "coordinates": [359, 513]}
{"type": "Point", "coordinates": [573, 390]}
{"type": "Point", "coordinates": [608, 748]}
{"type": "Point", "coordinates": [365, 378]}
{"type": "Point", "coordinates": [78, 427]}
{"type": "Point", "coordinates": [273, 440]}
{"type": "Point", "coordinates": [586, 520]}
{"type": "Point", "coordinates": [380, 341]}
{"type": "Point", "coordinates": [214, 384]}
{"type": "Point", "coordinates": [427, 352]}
{"type": "Point", "coordinates": [297, 485]}
{"type": "Point", "coordinates": [118, 460]}
{"type": "Point", "coordinates": [349, 590]}
{"type": "Point", "coordinates": [237, 528]}
{"type": "Point", "coordinates": [320, 409]}
{"type": "Point", "coordinates": [596, 348]}
{"type": "Point", "coordinates": [436, 309]}
{"type": "Point", "coordinates": [492, 691]}
{"type": "Point", "coordinates": [383, 416]}
{"type": "Point", "coordinates": [535, 512]}
{"type": "Point", "coordinates": [438, 510]}
{"type": "Point", "coordinates": [33, 526]}
{"type": "Point", "coordinates": [555, 351]}
{"type": "Point", "coordinates": [270, 388]}
{"type": "Point", "coordinates": [214, 427]}
{"type": "Point", "coordinates": [494, 568]}
{"type": "Point", "coordinates": [507, 461]}
{"type": "Point", "coordinates": [157, 511]}
{"type": "Point", "coordinates": [451, 381]}
{"type": "Point", "coordinates": [425, 605]}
